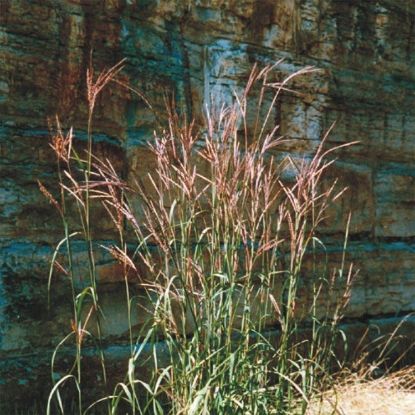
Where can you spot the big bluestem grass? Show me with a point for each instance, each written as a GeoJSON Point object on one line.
{"type": "Point", "coordinates": [221, 233]}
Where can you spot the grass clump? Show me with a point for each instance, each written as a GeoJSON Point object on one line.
{"type": "Point", "coordinates": [218, 242]}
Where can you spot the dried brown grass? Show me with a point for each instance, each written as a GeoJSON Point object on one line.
{"type": "Point", "coordinates": [392, 394]}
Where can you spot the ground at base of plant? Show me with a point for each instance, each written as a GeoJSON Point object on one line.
{"type": "Point", "coordinates": [392, 394]}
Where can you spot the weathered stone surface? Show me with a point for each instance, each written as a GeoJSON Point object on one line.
{"type": "Point", "coordinates": [395, 197]}
{"type": "Point", "coordinates": [201, 51]}
{"type": "Point", "coordinates": [357, 199]}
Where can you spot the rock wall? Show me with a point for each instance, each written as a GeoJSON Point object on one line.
{"type": "Point", "coordinates": [198, 49]}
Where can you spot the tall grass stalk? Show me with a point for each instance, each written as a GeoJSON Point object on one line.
{"type": "Point", "coordinates": [220, 242]}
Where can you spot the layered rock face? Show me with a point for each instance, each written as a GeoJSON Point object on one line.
{"type": "Point", "coordinates": [200, 50]}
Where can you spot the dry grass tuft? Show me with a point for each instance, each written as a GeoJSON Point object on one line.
{"type": "Point", "coordinates": [393, 394]}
